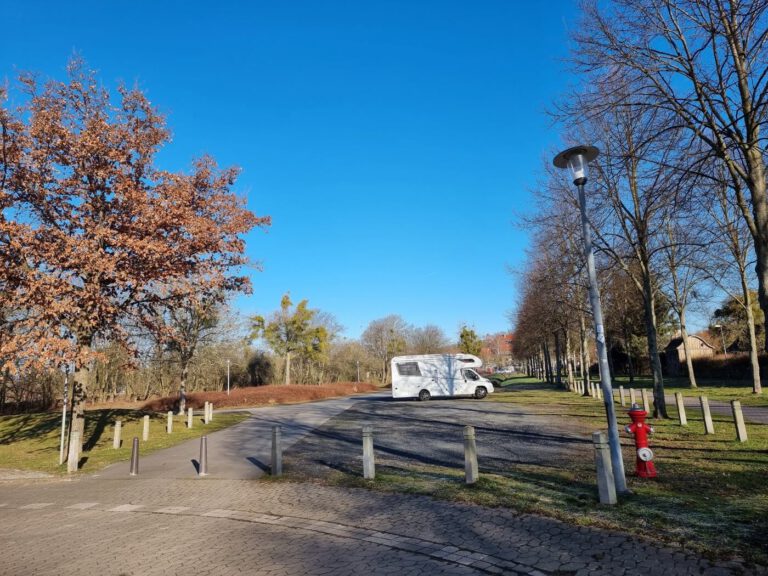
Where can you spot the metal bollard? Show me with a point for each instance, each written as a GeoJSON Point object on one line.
{"type": "Point", "coordinates": [210, 411]}
{"type": "Point", "coordinates": [145, 432]}
{"type": "Point", "coordinates": [116, 441]}
{"type": "Point", "coordinates": [73, 456]}
{"type": "Point", "coordinates": [681, 409]}
{"type": "Point", "coordinates": [738, 420]}
{"type": "Point", "coordinates": [169, 423]}
{"type": "Point", "coordinates": [203, 470]}
{"type": "Point", "coordinates": [190, 415]}
{"type": "Point", "coordinates": [605, 482]}
{"type": "Point", "coordinates": [470, 455]}
{"type": "Point", "coordinates": [621, 396]}
{"type": "Point", "coordinates": [135, 457]}
{"type": "Point", "coordinates": [205, 413]}
{"type": "Point", "coordinates": [369, 463]}
{"type": "Point", "coordinates": [709, 427]}
{"type": "Point", "coordinates": [277, 452]}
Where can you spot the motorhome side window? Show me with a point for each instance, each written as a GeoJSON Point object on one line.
{"type": "Point", "coordinates": [409, 369]}
{"type": "Point", "coordinates": [470, 375]}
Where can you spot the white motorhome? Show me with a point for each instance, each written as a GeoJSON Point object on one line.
{"type": "Point", "coordinates": [431, 375]}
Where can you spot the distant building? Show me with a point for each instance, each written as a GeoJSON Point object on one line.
{"type": "Point", "coordinates": [674, 353]}
{"type": "Point", "coordinates": [497, 350]}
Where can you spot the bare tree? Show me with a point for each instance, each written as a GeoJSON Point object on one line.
{"type": "Point", "coordinates": [428, 340]}
{"type": "Point", "coordinates": [683, 275]}
{"type": "Point", "coordinates": [729, 253]}
{"type": "Point", "coordinates": [704, 63]}
{"type": "Point", "coordinates": [385, 338]}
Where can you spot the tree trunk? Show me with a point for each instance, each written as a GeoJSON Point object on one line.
{"type": "Point", "coordinates": [628, 349]}
{"type": "Point", "coordinates": [183, 387]}
{"type": "Point", "coordinates": [287, 368]}
{"type": "Point", "coordinates": [568, 362]}
{"type": "Point", "coordinates": [757, 190]}
{"type": "Point", "coordinates": [686, 350]}
{"type": "Point", "coordinates": [584, 354]}
{"type": "Point", "coordinates": [558, 361]}
{"type": "Point", "coordinates": [545, 360]}
{"type": "Point", "coordinates": [659, 403]}
{"type": "Point", "coordinates": [80, 392]}
{"type": "Point", "coordinates": [757, 387]}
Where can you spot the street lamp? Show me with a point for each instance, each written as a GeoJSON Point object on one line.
{"type": "Point", "coordinates": [576, 160]}
{"type": "Point", "coordinates": [722, 339]}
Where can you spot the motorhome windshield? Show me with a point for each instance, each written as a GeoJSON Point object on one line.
{"type": "Point", "coordinates": [470, 375]}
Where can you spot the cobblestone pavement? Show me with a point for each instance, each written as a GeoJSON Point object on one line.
{"type": "Point", "coordinates": [205, 526]}
{"type": "Point", "coordinates": [170, 524]}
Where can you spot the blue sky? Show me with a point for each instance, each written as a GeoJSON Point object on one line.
{"type": "Point", "coordinates": [392, 142]}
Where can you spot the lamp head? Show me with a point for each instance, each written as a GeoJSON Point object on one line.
{"type": "Point", "coordinates": [576, 160]}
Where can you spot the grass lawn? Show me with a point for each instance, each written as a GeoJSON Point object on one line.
{"type": "Point", "coordinates": [710, 496]}
{"type": "Point", "coordinates": [31, 441]}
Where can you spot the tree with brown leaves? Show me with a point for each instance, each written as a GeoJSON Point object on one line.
{"type": "Point", "coordinates": [93, 234]}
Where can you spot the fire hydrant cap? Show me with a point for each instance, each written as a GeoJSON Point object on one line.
{"type": "Point", "coordinates": [636, 413]}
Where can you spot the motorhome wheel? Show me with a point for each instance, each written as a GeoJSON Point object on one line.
{"type": "Point", "coordinates": [480, 392]}
{"type": "Point", "coordinates": [424, 395]}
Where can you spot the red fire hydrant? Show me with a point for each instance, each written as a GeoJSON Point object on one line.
{"type": "Point", "coordinates": [644, 461]}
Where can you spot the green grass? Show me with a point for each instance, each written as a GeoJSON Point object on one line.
{"type": "Point", "coordinates": [710, 495]}
{"type": "Point", "coordinates": [31, 441]}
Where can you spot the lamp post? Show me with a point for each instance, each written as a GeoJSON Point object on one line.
{"type": "Point", "coordinates": [576, 160]}
{"type": "Point", "coordinates": [722, 339]}
{"type": "Point", "coordinates": [227, 376]}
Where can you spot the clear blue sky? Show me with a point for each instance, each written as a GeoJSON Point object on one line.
{"type": "Point", "coordinates": [392, 142]}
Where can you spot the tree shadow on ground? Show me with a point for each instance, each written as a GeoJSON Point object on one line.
{"type": "Point", "coordinates": [28, 426]}
{"type": "Point", "coordinates": [40, 426]}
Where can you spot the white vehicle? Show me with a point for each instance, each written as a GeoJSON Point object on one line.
{"type": "Point", "coordinates": [431, 375]}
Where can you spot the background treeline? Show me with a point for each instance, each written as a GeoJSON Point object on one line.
{"type": "Point", "coordinates": [225, 343]}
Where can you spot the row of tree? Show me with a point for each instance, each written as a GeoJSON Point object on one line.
{"type": "Point", "coordinates": [212, 348]}
{"type": "Point", "coordinates": [675, 96]}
